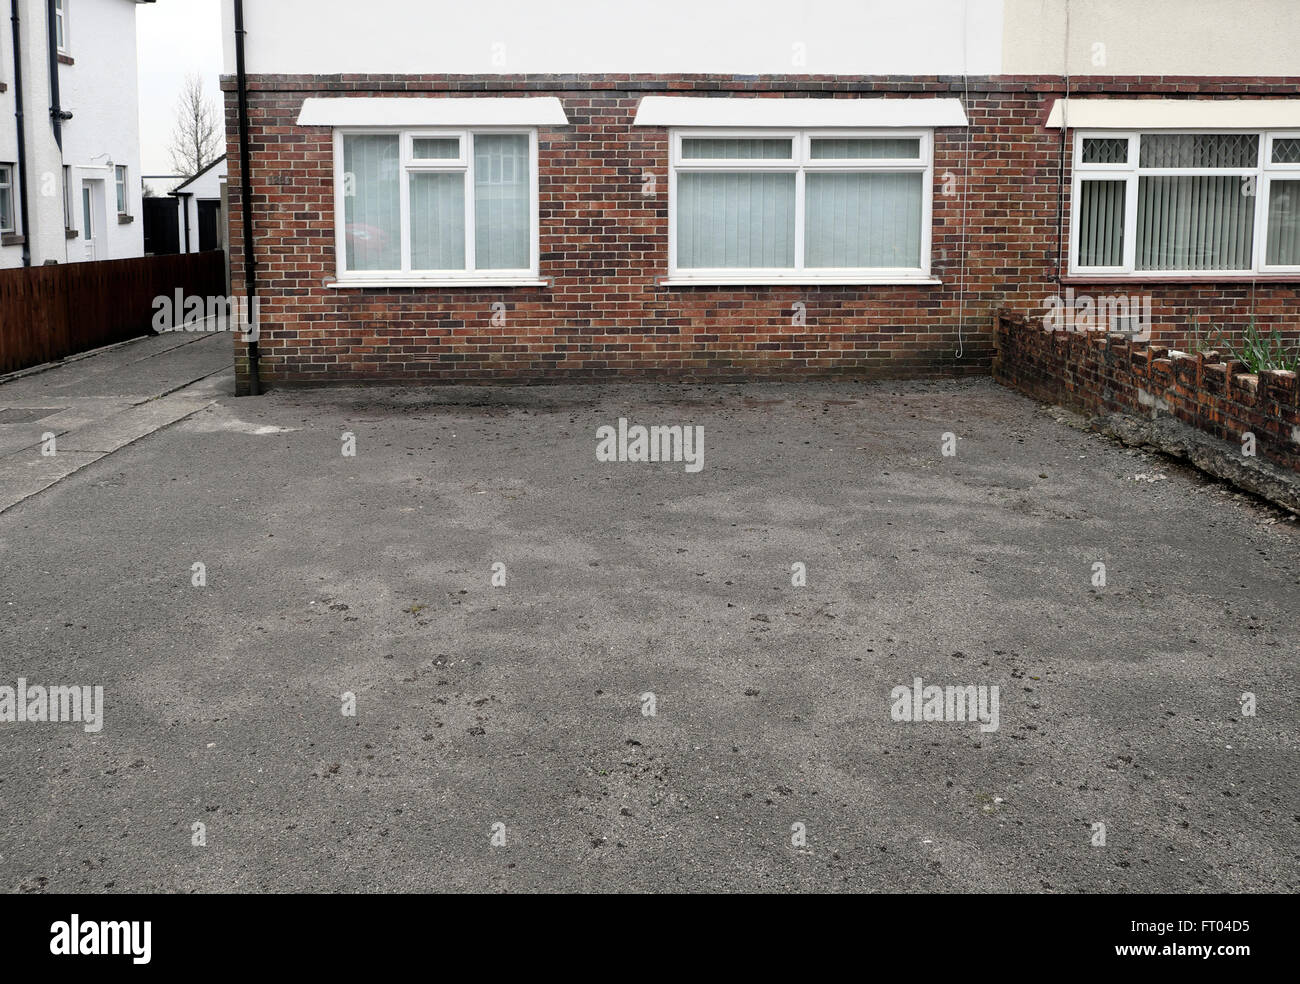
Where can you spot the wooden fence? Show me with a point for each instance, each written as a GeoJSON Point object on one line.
{"type": "Point", "coordinates": [51, 312]}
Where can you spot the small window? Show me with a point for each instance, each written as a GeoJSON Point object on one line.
{"type": "Point", "coordinates": [800, 206]}
{"type": "Point", "coordinates": [61, 24]}
{"type": "Point", "coordinates": [435, 148]}
{"type": "Point", "coordinates": [122, 201]}
{"type": "Point", "coordinates": [7, 220]}
{"type": "Point", "coordinates": [437, 206]}
{"type": "Point", "coordinates": [871, 148]}
{"type": "Point", "coordinates": [732, 149]}
{"type": "Point", "coordinates": [87, 214]}
{"type": "Point", "coordinates": [67, 197]}
{"type": "Point", "coordinates": [1286, 150]}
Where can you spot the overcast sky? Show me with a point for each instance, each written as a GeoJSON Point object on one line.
{"type": "Point", "coordinates": [175, 37]}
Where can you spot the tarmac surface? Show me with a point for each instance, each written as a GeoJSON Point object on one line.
{"type": "Point", "coordinates": [501, 738]}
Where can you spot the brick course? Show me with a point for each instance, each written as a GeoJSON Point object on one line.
{"type": "Point", "coordinates": [604, 245]}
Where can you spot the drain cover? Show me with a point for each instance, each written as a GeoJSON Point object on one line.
{"type": "Point", "coordinates": [24, 415]}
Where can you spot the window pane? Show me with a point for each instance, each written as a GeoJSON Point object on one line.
{"type": "Point", "coordinates": [1101, 223]}
{"type": "Point", "coordinates": [1283, 224]}
{"type": "Point", "coordinates": [435, 148]}
{"type": "Point", "coordinates": [1286, 151]}
{"type": "Point", "coordinates": [778, 149]}
{"type": "Point", "coordinates": [864, 219]}
{"type": "Point", "coordinates": [905, 148]}
{"type": "Point", "coordinates": [6, 209]}
{"type": "Point", "coordinates": [1105, 150]}
{"type": "Point", "coordinates": [735, 220]}
{"type": "Point", "coordinates": [373, 229]}
{"type": "Point", "coordinates": [1194, 222]}
{"type": "Point", "coordinates": [1199, 150]}
{"type": "Point", "coordinates": [501, 202]}
{"type": "Point", "coordinates": [437, 221]}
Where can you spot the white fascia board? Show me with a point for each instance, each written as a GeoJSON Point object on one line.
{"type": "Point", "coordinates": [798, 112]}
{"type": "Point", "coordinates": [1175, 114]}
{"type": "Point", "coordinates": [432, 111]}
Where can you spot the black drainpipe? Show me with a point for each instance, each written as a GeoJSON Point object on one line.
{"type": "Point", "coordinates": [22, 135]}
{"type": "Point", "coordinates": [57, 115]}
{"type": "Point", "coordinates": [246, 193]}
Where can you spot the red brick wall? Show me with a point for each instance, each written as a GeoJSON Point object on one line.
{"type": "Point", "coordinates": [604, 244]}
{"type": "Point", "coordinates": [1099, 373]}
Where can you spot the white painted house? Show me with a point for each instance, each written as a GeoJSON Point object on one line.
{"type": "Point", "coordinates": [74, 194]}
{"type": "Point", "coordinates": [202, 217]}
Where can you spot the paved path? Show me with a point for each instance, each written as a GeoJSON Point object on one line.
{"type": "Point", "coordinates": [99, 403]}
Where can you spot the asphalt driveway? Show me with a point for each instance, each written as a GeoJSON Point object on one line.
{"type": "Point", "coordinates": [517, 714]}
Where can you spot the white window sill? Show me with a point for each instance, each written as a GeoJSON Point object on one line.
{"type": "Point", "coordinates": [1149, 277]}
{"type": "Point", "coordinates": [761, 281]}
{"type": "Point", "coordinates": [440, 282]}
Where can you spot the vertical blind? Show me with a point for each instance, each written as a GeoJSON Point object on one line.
{"type": "Point", "coordinates": [501, 202]}
{"type": "Point", "coordinates": [437, 220]}
{"type": "Point", "coordinates": [863, 219]}
{"type": "Point", "coordinates": [1284, 223]}
{"type": "Point", "coordinates": [1101, 223]}
{"type": "Point", "coordinates": [373, 213]}
{"type": "Point", "coordinates": [1194, 222]}
{"type": "Point", "coordinates": [743, 220]}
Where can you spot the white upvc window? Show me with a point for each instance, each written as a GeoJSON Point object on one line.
{"type": "Point", "coordinates": [8, 220]}
{"type": "Point", "coordinates": [1195, 203]}
{"type": "Point", "coordinates": [61, 24]}
{"type": "Point", "coordinates": [801, 206]}
{"type": "Point", "coordinates": [436, 206]}
{"type": "Point", "coordinates": [119, 174]}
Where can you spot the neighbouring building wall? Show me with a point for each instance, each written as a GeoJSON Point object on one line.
{"type": "Point", "coordinates": [1000, 199]}
{"type": "Point", "coordinates": [100, 89]}
{"type": "Point", "coordinates": [97, 82]}
{"type": "Point", "coordinates": [196, 195]}
{"type": "Point", "coordinates": [10, 256]}
{"type": "Point", "coordinates": [1151, 37]}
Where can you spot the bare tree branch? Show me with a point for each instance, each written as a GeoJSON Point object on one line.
{"type": "Point", "coordinates": [198, 138]}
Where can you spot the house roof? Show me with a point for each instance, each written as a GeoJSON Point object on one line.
{"type": "Point", "coordinates": [190, 181]}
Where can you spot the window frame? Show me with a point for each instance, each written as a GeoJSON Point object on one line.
{"type": "Point", "coordinates": [119, 182]}
{"type": "Point", "coordinates": [1264, 172]}
{"type": "Point", "coordinates": [9, 186]}
{"type": "Point", "coordinates": [408, 164]}
{"type": "Point", "coordinates": [801, 163]}
{"type": "Point", "coordinates": [61, 37]}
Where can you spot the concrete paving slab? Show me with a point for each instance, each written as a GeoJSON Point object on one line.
{"type": "Point", "coordinates": [24, 475]}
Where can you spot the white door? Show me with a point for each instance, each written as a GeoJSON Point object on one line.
{"type": "Point", "coordinates": [92, 217]}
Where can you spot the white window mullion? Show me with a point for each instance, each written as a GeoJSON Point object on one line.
{"type": "Point", "coordinates": [800, 214]}
{"type": "Point", "coordinates": [404, 210]}
{"type": "Point", "coordinates": [470, 258]}
{"type": "Point", "coordinates": [1130, 218]}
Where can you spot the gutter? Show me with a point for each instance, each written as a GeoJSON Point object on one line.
{"type": "Point", "coordinates": [22, 135]}
{"type": "Point", "coordinates": [245, 195]}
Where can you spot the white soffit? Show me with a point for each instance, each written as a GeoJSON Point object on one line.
{"type": "Point", "coordinates": [798, 112]}
{"type": "Point", "coordinates": [432, 111]}
{"type": "Point", "coordinates": [1175, 114]}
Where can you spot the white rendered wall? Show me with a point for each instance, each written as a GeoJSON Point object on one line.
{"type": "Point", "coordinates": [101, 91]}
{"type": "Point", "coordinates": [858, 37]}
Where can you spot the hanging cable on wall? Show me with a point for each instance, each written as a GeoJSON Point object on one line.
{"type": "Point", "coordinates": [965, 178]}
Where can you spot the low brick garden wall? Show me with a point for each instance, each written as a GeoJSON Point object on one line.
{"type": "Point", "coordinates": [1100, 373]}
